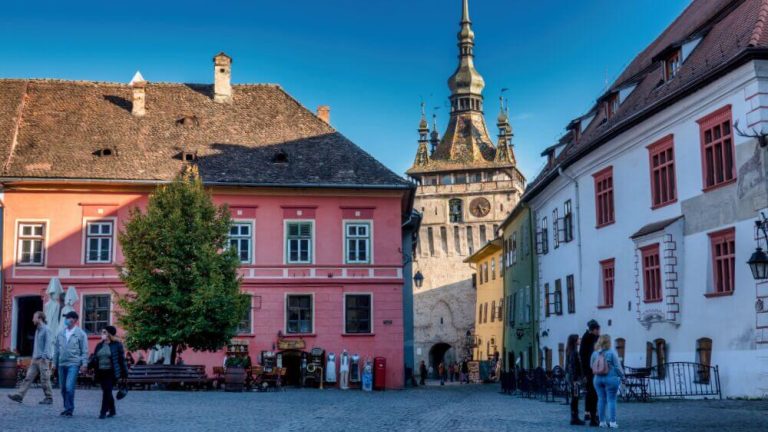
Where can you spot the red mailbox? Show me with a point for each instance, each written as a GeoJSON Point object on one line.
{"type": "Point", "coordinates": [379, 373]}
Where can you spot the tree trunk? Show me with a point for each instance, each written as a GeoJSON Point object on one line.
{"type": "Point", "coordinates": [174, 349]}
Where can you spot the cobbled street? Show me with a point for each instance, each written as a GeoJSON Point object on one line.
{"type": "Point", "coordinates": [449, 408]}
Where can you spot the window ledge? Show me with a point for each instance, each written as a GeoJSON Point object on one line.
{"type": "Point", "coordinates": [653, 301]}
{"type": "Point", "coordinates": [718, 294]}
{"type": "Point", "coordinates": [358, 334]}
{"type": "Point", "coordinates": [605, 306]}
{"type": "Point", "coordinates": [245, 335]}
{"type": "Point", "coordinates": [664, 204]}
{"type": "Point", "coordinates": [605, 224]}
{"type": "Point", "coordinates": [719, 185]}
{"type": "Point", "coordinates": [299, 335]}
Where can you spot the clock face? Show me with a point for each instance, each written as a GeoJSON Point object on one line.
{"type": "Point", "coordinates": [479, 207]}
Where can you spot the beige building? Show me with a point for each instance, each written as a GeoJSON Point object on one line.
{"type": "Point", "coordinates": [489, 300]}
{"type": "Point", "coordinates": [466, 187]}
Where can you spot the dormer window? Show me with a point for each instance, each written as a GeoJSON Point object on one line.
{"type": "Point", "coordinates": [104, 152]}
{"type": "Point", "coordinates": [612, 105]}
{"type": "Point", "coordinates": [672, 65]}
{"type": "Point", "coordinates": [280, 157]}
{"type": "Point", "coordinates": [188, 156]}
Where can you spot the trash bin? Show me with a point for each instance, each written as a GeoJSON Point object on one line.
{"type": "Point", "coordinates": [379, 373]}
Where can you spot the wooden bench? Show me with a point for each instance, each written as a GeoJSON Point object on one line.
{"type": "Point", "coordinates": [168, 376]}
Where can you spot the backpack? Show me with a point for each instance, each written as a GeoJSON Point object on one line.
{"type": "Point", "coordinates": [600, 365]}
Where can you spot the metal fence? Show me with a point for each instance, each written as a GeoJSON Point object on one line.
{"type": "Point", "coordinates": [670, 380]}
{"type": "Point", "coordinates": [673, 380]}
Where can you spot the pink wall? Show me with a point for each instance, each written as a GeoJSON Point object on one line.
{"type": "Point", "coordinates": [268, 279]}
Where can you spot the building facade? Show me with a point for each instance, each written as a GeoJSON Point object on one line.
{"type": "Point", "coordinates": [521, 300]}
{"type": "Point", "coordinates": [465, 187]}
{"type": "Point", "coordinates": [489, 286]}
{"type": "Point", "coordinates": [317, 221]}
{"type": "Point", "coordinates": [662, 182]}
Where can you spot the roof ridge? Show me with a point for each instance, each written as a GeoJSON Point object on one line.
{"type": "Point", "coordinates": [126, 84]}
{"type": "Point", "coordinates": [17, 126]}
{"type": "Point", "coordinates": [762, 16]}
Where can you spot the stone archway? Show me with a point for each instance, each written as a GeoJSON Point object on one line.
{"type": "Point", "coordinates": [440, 352]}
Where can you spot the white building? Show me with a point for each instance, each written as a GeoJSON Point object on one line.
{"type": "Point", "coordinates": [664, 194]}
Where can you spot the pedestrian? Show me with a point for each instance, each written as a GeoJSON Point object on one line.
{"type": "Point", "coordinates": [451, 371]}
{"type": "Point", "coordinates": [586, 349]}
{"type": "Point", "coordinates": [431, 372]}
{"type": "Point", "coordinates": [422, 373]}
{"type": "Point", "coordinates": [574, 376]}
{"type": "Point", "coordinates": [465, 371]}
{"type": "Point", "coordinates": [40, 365]}
{"type": "Point", "coordinates": [608, 373]}
{"type": "Point", "coordinates": [456, 369]}
{"type": "Point", "coordinates": [108, 361]}
{"type": "Point", "coordinates": [70, 357]}
{"type": "Point", "coordinates": [441, 372]}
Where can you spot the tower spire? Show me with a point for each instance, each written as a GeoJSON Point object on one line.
{"type": "Point", "coordinates": [466, 83]}
{"type": "Point", "coordinates": [422, 153]}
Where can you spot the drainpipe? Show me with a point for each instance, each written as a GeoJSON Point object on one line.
{"type": "Point", "coordinates": [575, 182]}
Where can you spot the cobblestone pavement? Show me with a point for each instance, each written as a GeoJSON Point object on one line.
{"type": "Point", "coordinates": [450, 408]}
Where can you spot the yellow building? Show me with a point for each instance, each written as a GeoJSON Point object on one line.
{"type": "Point", "coordinates": [489, 286]}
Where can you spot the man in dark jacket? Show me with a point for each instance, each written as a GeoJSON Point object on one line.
{"type": "Point", "coordinates": [585, 353]}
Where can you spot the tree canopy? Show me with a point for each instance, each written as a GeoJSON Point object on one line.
{"type": "Point", "coordinates": [183, 284]}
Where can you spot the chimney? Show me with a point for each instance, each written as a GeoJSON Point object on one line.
{"type": "Point", "coordinates": [222, 77]}
{"type": "Point", "coordinates": [138, 85]}
{"type": "Point", "coordinates": [324, 112]}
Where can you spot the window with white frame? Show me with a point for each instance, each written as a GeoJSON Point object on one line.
{"type": "Point", "coordinates": [299, 242]}
{"type": "Point", "coordinates": [240, 239]}
{"type": "Point", "coordinates": [96, 310]}
{"type": "Point", "coordinates": [98, 241]}
{"type": "Point", "coordinates": [357, 313]}
{"type": "Point", "coordinates": [358, 242]}
{"type": "Point", "coordinates": [31, 249]}
{"type": "Point", "coordinates": [298, 313]}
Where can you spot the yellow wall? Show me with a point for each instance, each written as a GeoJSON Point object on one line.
{"type": "Point", "coordinates": [490, 294]}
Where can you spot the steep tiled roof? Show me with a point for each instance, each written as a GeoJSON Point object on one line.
{"type": "Point", "coordinates": [730, 29]}
{"type": "Point", "coordinates": [55, 129]}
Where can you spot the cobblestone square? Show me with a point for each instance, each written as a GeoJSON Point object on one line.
{"type": "Point", "coordinates": [432, 408]}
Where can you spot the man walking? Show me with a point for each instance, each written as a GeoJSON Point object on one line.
{"type": "Point", "coordinates": [585, 355]}
{"type": "Point", "coordinates": [70, 357]}
{"type": "Point", "coordinates": [41, 357]}
{"type": "Point", "coordinates": [422, 373]}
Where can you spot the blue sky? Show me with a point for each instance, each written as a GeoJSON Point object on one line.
{"type": "Point", "coordinates": [372, 61]}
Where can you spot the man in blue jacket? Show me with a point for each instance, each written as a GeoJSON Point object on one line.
{"type": "Point", "coordinates": [70, 357]}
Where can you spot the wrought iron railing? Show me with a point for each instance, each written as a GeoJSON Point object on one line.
{"type": "Point", "coordinates": [672, 380]}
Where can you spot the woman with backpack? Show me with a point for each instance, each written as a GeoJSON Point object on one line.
{"type": "Point", "coordinates": [573, 376]}
{"type": "Point", "coordinates": [608, 374]}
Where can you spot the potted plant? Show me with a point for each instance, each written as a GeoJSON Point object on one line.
{"type": "Point", "coordinates": [234, 377]}
{"type": "Point", "coordinates": [8, 361]}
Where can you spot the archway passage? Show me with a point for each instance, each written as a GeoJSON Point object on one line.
{"type": "Point", "coordinates": [437, 355]}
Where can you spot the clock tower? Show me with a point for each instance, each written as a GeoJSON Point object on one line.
{"type": "Point", "coordinates": [466, 187]}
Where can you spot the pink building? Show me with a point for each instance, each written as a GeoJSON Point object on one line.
{"type": "Point", "coordinates": [318, 222]}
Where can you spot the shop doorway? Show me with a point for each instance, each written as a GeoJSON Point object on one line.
{"type": "Point", "coordinates": [440, 353]}
{"type": "Point", "coordinates": [292, 364]}
{"type": "Point", "coordinates": [25, 330]}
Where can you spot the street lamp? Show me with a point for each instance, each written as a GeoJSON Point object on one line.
{"type": "Point", "coordinates": [418, 279]}
{"type": "Point", "coordinates": [758, 262]}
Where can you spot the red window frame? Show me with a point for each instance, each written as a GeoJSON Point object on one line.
{"type": "Point", "coordinates": [672, 65]}
{"type": "Point", "coordinates": [718, 156]}
{"type": "Point", "coordinates": [604, 209]}
{"type": "Point", "coordinates": [723, 252]}
{"type": "Point", "coordinates": [661, 162]}
{"type": "Point", "coordinates": [651, 260]}
{"type": "Point", "coordinates": [608, 275]}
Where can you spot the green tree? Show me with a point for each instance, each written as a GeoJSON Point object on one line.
{"type": "Point", "coordinates": [183, 285]}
